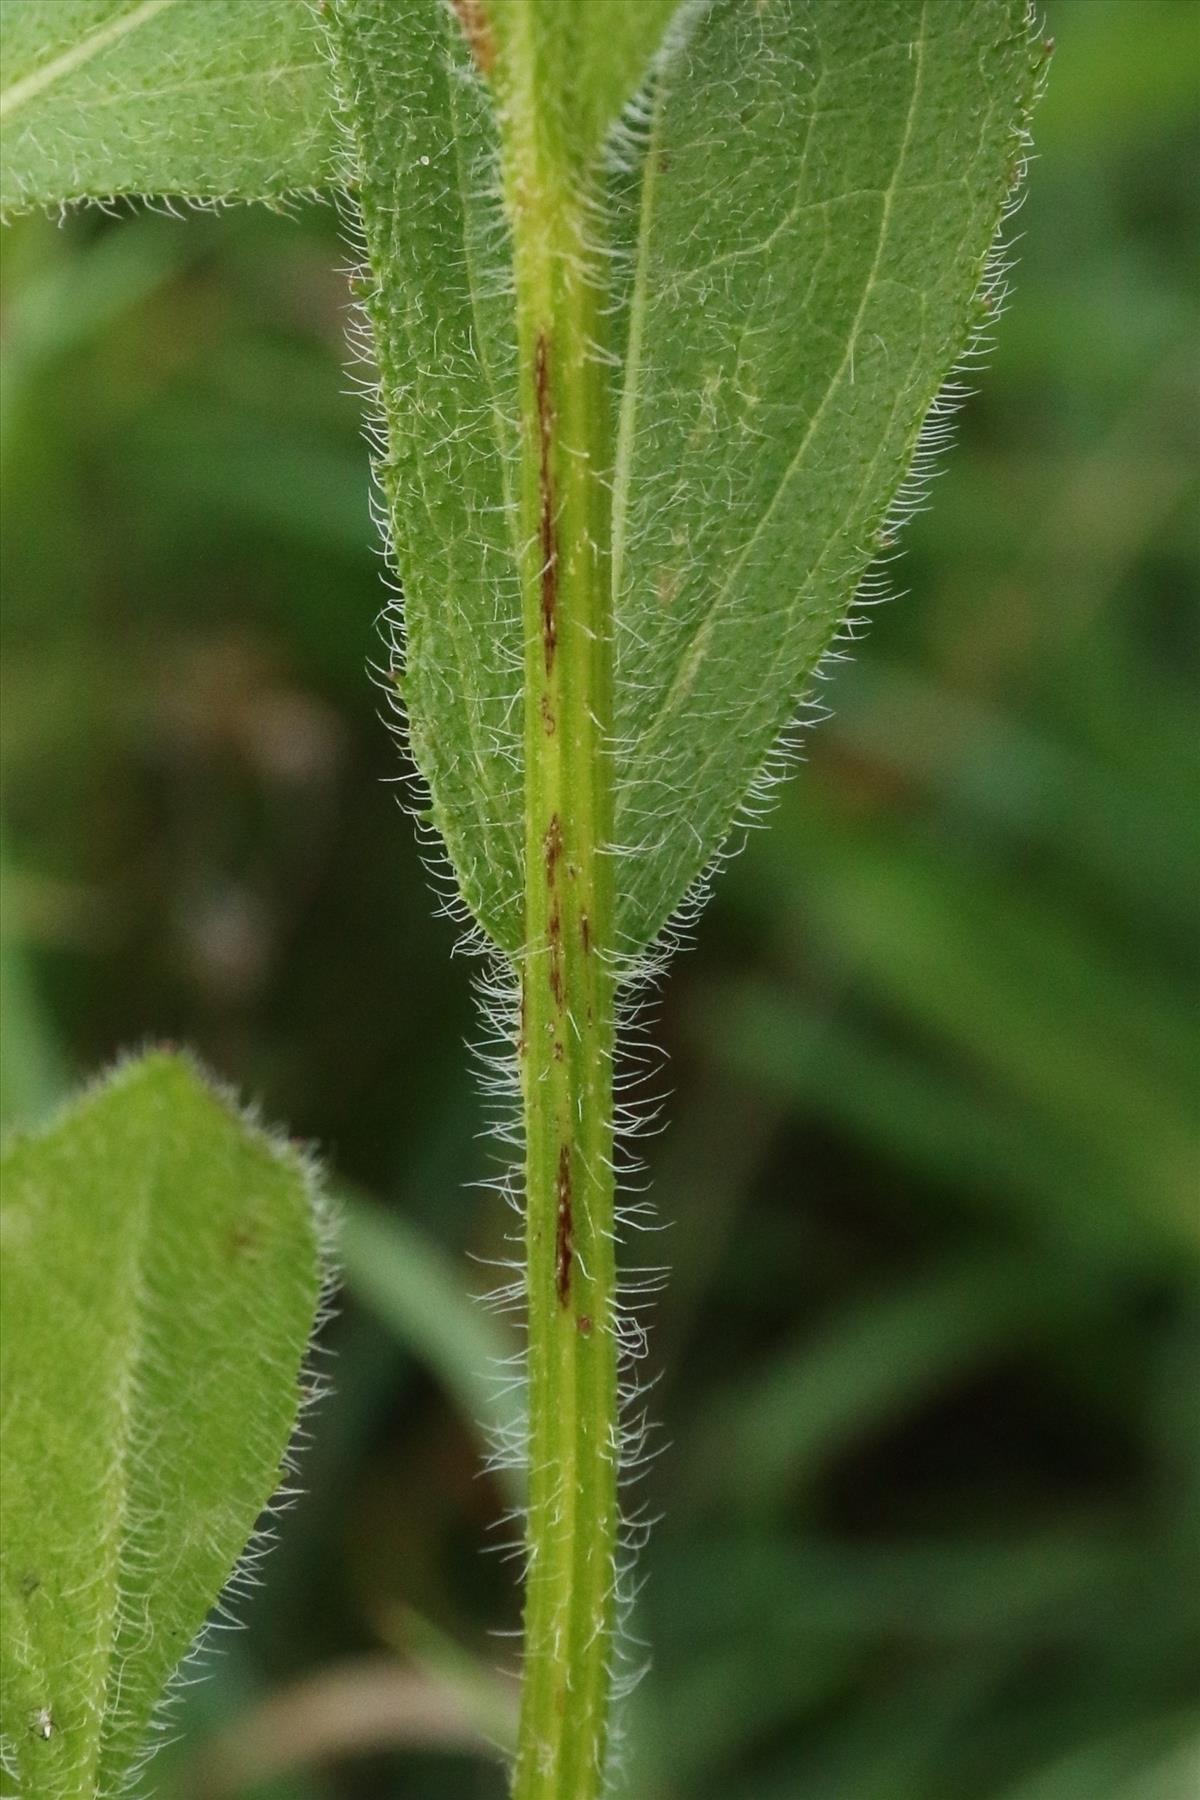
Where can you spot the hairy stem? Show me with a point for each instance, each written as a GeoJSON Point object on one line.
{"type": "Point", "coordinates": [567, 987]}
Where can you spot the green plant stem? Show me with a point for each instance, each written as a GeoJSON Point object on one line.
{"type": "Point", "coordinates": [567, 984]}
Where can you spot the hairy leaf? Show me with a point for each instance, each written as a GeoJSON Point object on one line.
{"type": "Point", "coordinates": [795, 248]}
{"type": "Point", "coordinates": [211, 99]}
{"type": "Point", "coordinates": [445, 343]}
{"type": "Point", "coordinates": [160, 1273]}
{"type": "Point", "coordinates": [820, 190]}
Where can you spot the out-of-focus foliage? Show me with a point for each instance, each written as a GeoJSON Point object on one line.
{"type": "Point", "coordinates": [930, 1345]}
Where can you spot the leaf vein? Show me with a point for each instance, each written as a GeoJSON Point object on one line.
{"type": "Point", "coordinates": [28, 87]}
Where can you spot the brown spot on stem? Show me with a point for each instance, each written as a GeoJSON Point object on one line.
{"type": "Point", "coordinates": [583, 1325]}
{"type": "Point", "coordinates": [549, 545]}
{"type": "Point", "coordinates": [585, 934]}
{"type": "Point", "coordinates": [554, 928]}
{"type": "Point", "coordinates": [478, 33]}
{"type": "Point", "coordinates": [552, 846]}
{"type": "Point", "coordinates": [564, 1246]}
{"type": "Point", "coordinates": [549, 722]}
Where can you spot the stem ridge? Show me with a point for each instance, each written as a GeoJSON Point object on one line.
{"type": "Point", "coordinates": [568, 990]}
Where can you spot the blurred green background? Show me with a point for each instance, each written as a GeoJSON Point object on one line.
{"type": "Point", "coordinates": [929, 1359]}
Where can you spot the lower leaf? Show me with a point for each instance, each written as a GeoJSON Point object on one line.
{"type": "Point", "coordinates": [161, 1272]}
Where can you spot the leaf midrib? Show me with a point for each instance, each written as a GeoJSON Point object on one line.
{"type": "Point", "coordinates": [127, 1386]}
{"type": "Point", "coordinates": [226, 78]}
{"type": "Point", "coordinates": [28, 87]}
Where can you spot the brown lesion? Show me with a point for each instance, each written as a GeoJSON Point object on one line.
{"type": "Point", "coordinates": [241, 1240]}
{"type": "Point", "coordinates": [478, 32]}
{"type": "Point", "coordinates": [552, 852]}
{"type": "Point", "coordinates": [585, 933]}
{"type": "Point", "coordinates": [546, 532]}
{"type": "Point", "coordinates": [552, 847]}
{"type": "Point", "coordinates": [554, 932]}
{"type": "Point", "coordinates": [564, 1237]}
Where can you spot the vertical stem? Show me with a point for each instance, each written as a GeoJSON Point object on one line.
{"type": "Point", "coordinates": [567, 989]}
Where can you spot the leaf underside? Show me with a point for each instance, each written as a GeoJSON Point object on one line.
{"type": "Point", "coordinates": [160, 1274]}
{"type": "Point", "coordinates": [209, 99]}
{"type": "Point", "coordinates": [800, 209]}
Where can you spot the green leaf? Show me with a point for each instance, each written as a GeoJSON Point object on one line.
{"type": "Point", "coordinates": [822, 185]}
{"type": "Point", "coordinates": [161, 1273]}
{"type": "Point", "coordinates": [211, 99]}
{"type": "Point", "coordinates": [795, 260]}
{"type": "Point", "coordinates": [445, 343]}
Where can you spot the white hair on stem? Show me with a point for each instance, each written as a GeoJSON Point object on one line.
{"type": "Point", "coordinates": [637, 967]}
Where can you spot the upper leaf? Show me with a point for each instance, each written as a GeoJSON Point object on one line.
{"type": "Point", "coordinates": [211, 99]}
{"type": "Point", "coordinates": [160, 1273]}
{"type": "Point", "coordinates": [821, 186]}
{"type": "Point", "coordinates": [795, 246]}
{"type": "Point", "coordinates": [424, 137]}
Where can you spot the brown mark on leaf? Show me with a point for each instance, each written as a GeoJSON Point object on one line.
{"type": "Point", "coordinates": [668, 585]}
{"type": "Point", "coordinates": [583, 1325]}
{"type": "Point", "coordinates": [585, 934]}
{"type": "Point", "coordinates": [478, 32]}
{"type": "Point", "coordinates": [549, 544]}
{"type": "Point", "coordinates": [241, 1239]}
{"type": "Point", "coordinates": [549, 722]}
{"type": "Point", "coordinates": [564, 1245]}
